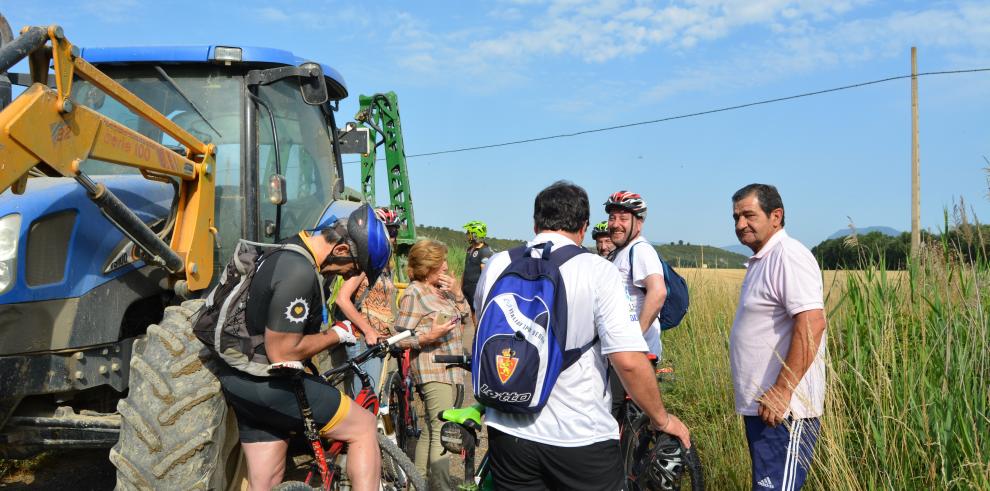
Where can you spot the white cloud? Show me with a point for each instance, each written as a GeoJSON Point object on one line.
{"type": "Point", "coordinates": [519, 37]}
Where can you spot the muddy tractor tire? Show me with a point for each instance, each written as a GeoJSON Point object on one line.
{"type": "Point", "coordinates": [175, 429]}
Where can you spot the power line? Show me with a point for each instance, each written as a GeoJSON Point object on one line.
{"type": "Point", "coordinates": [688, 115]}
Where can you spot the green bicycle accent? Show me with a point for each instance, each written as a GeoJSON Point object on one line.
{"type": "Point", "coordinates": [462, 414]}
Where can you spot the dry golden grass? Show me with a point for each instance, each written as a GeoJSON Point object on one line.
{"type": "Point", "coordinates": [908, 360]}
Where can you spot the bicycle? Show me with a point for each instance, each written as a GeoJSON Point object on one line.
{"type": "Point", "coordinates": [397, 394]}
{"type": "Point", "coordinates": [637, 437]}
{"type": "Point", "coordinates": [398, 472]}
{"type": "Point", "coordinates": [459, 433]}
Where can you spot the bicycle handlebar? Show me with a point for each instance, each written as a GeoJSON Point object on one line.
{"type": "Point", "coordinates": [452, 359]}
{"type": "Point", "coordinates": [375, 350]}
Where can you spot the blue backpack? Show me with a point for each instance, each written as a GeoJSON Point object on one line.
{"type": "Point", "coordinates": [519, 347]}
{"type": "Point", "coordinates": [675, 307]}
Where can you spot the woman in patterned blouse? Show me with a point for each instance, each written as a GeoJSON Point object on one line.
{"type": "Point", "coordinates": [434, 308]}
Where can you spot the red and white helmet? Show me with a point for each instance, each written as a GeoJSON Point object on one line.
{"type": "Point", "coordinates": [631, 202]}
{"type": "Point", "coordinates": [388, 216]}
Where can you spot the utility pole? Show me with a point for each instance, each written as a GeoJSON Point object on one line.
{"type": "Point", "coordinates": [915, 166]}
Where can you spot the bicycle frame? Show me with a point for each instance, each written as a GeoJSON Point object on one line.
{"type": "Point", "coordinates": [366, 398]}
{"type": "Point", "coordinates": [408, 392]}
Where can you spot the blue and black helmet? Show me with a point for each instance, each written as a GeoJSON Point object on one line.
{"type": "Point", "coordinates": [367, 233]}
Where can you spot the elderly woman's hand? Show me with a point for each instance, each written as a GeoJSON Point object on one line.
{"type": "Point", "coordinates": [441, 326]}
{"type": "Point", "coordinates": [447, 283]}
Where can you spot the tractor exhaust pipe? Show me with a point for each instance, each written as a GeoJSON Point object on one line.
{"type": "Point", "coordinates": [130, 225]}
{"type": "Point", "coordinates": [16, 50]}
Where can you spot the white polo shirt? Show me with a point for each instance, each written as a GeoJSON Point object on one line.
{"type": "Point", "coordinates": [782, 280]}
{"type": "Point", "coordinates": [647, 263]}
{"type": "Point", "coordinates": [577, 411]}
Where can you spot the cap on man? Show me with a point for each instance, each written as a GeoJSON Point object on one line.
{"type": "Point", "coordinates": [776, 348]}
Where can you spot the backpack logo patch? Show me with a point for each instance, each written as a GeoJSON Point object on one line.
{"type": "Point", "coordinates": [506, 364]}
{"type": "Point", "coordinates": [297, 311]}
{"type": "Point", "coordinates": [526, 316]}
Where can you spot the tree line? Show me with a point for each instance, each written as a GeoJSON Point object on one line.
{"type": "Point", "coordinates": [970, 243]}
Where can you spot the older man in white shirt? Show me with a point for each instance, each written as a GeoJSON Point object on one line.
{"type": "Point", "coordinates": [776, 347]}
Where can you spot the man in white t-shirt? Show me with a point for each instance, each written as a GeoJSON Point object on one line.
{"type": "Point", "coordinates": [776, 347]}
{"type": "Point", "coordinates": [643, 277]}
{"type": "Point", "coordinates": [573, 442]}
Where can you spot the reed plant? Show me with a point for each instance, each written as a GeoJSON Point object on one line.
{"type": "Point", "coordinates": [908, 403]}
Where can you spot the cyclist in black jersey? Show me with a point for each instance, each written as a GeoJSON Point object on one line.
{"type": "Point", "coordinates": [475, 257]}
{"type": "Point", "coordinates": [284, 305]}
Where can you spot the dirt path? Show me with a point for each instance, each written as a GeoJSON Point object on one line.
{"type": "Point", "coordinates": [81, 470]}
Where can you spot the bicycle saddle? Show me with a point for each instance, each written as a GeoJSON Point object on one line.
{"type": "Point", "coordinates": [462, 415]}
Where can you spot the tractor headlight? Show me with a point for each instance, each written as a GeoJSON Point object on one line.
{"type": "Point", "coordinates": [10, 234]}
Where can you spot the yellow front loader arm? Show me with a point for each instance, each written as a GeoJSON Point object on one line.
{"type": "Point", "coordinates": [44, 129]}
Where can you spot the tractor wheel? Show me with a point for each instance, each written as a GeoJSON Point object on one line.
{"type": "Point", "coordinates": [175, 428]}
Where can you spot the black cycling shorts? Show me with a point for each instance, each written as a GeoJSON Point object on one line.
{"type": "Point", "coordinates": [267, 409]}
{"type": "Point", "coordinates": [522, 465]}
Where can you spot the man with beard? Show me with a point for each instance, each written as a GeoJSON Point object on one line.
{"type": "Point", "coordinates": [643, 276]}
{"type": "Point", "coordinates": [641, 271]}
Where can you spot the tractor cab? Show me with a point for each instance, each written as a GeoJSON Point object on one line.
{"type": "Point", "coordinates": [75, 293]}
{"type": "Point", "coordinates": [269, 113]}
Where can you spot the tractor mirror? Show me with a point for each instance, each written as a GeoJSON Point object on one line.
{"type": "Point", "coordinates": [276, 190]}
{"type": "Point", "coordinates": [312, 84]}
{"type": "Point", "coordinates": [354, 139]}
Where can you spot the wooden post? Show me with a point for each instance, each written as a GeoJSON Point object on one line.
{"type": "Point", "coordinates": [915, 165]}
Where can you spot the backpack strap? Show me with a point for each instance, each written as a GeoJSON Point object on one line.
{"type": "Point", "coordinates": [273, 248]}
{"type": "Point", "coordinates": [558, 258]}
{"type": "Point", "coordinates": [663, 268]}
{"type": "Point", "coordinates": [564, 254]}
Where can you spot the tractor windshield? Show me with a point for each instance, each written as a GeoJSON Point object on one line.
{"type": "Point", "coordinates": [209, 102]}
{"type": "Point", "coordinates": [182, 94]}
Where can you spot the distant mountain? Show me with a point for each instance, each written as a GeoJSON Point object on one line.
{"type": "Point", "coordinates": [865, 230]}
{"type": "Point", "coordinates": [738, 249]}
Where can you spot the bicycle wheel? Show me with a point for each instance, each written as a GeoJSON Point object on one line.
{"type": "Point", "coordinates": [641, 439]}
{"type": "Point", "coordinates": [398, 472]}
{"type": "Point", "coordinates": [398, 412]}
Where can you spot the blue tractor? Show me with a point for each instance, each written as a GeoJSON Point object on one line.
{"type": "Point", "coordinates": [128, 230]}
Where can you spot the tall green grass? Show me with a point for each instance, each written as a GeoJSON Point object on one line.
{"type": "Point", "coordinates": [908, 403]}
{"type": "Point", "coordinates": [910, 391]}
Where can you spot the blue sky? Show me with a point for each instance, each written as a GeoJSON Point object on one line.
{"type": "Point", "coordinates": [477, 73]}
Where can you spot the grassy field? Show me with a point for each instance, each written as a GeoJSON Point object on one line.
{"type": "Point", "coordinates": [908, 403]}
